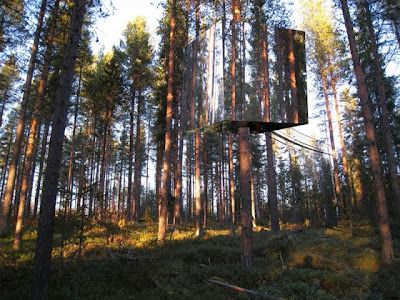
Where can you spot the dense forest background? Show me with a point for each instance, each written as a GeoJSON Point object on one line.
{"type": "Point", "coordinates": [99, 141]}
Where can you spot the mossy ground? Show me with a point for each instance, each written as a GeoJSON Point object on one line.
{"type": "Point", "coordinates": [122, 261]}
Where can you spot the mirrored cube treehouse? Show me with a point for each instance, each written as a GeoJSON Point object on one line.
{"type": "Point", "coordinates": [267, 90]}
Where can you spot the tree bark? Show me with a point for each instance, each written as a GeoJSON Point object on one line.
{"type": "Point", "coordinates": [394, 181]}
{"type": "Point", "coordinates": [138, 161]}
{"type": "Point", "coordinates": [121, 173]}
{"type": "Point", "coordinates": [82, 177]}
{"type": "Point", "coordinates": [70, 177]}
{"type": "Point", "coordinates": [41, 166]}
{"type": "Point", "coordinates": [333, 148]}
{"type": "Point", "coordinates": [197, 185]}
{"type": "Point", "coordinates": [236, 18]}
{"type": "Point", "coordinates": [245, 191]}
{"type": "Point", "coordinates": [342, 145]}
{"type": "Point", "coordinates": [21, 122]}
{"type": "Point", "coordinates": [41, 273]}
{"type": "Point", "coordinates": [272, 192]}
{"type": "Point", "coordinates": [130, 159]}
{"type": "Point", "coordinates": [220, 182]}
{"type": "Point", "coordinates": [162, 222]}
{"type": "Point", "coordinates": [178, 188]}
{"type": "Point", "coordinates": [3, 179]}
{"type": "Point", "coordinates": [384, 228]}
{"type": "Point", "coordinates": [197, 143]}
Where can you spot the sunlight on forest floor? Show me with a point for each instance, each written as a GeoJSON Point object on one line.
{"type": "Point", "coordinates": [122, 261]}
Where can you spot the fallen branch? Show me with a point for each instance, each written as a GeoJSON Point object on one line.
{"type": "Point", "coordinates": [234, 287]}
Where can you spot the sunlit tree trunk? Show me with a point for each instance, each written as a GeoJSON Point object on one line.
{"type": "Point", "coordinates": [159, 165]}
{"type": "Point", "coordinates": [244, 163]}
{"type": "Point", "coordinates": [205, 174]}
{"type": "Point", "coordinates": [162, 222]}
{"type": "Point", "coordinates": [384, 228]}
{"type": "Point", "coordinates": [235, 6]}
{"type": "Point", "coordinates": [41, 272]}
{"type": "Point", "coordinates": [197, 184]}
{"type": "Point", "coordinates": [21, 122]}
{"type": "Point", "coordinates": [197, 144]}
{"type": "Point", "coordinates": [342, 147]}
{"type": "Point", "coordinates": [146, 201]}
{"type": "Point", "coordinates": [333, 148]}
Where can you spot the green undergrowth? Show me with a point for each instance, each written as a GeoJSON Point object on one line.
{"type": "Point", "coordinates": [123, 261]}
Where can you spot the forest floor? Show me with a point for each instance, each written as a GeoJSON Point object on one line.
{"type": "Point", "coordinates": [123, 262]}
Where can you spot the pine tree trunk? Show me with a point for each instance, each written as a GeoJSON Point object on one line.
{"type": "Point", "coordinates": [189, 179]}
{"type": "Point", "coordinates": [178, 171]}
{"type": "Point", "coordinates": [244, 162]}
{"type": "Point", "coordinates": [81, 183]}
{"type": "Point", "coordinates": [121, 173]}
{"type": "Point", "coordinates": [103, 168]}
{"type": "Point", "coordinates": [70, 176]}
{"type": "Point", "coordinates": [391, 159]}
{"type": "Point", "coordinates": [21, 122]}
{"type": "Point", "coordinates": [44, 240]}
{"type": "Point", "coordinates": [130, 159]}
{"type": "Point", "coordinates": [197, 184]}
{"type": "Point", "coordinates": [375, 160]}
{"type": "Point", "coordinates": [245, 191]}
{"type": "Point", "coordinates": [162, 222]}
{"type": "Point", "coordinates": [41, 166]}
{"type": "Point", "coordinates": [235, 5]}
{"type": "Point", "coordinates": [4, 172]}
{"type": "Point", "coordinates": [92, 168]}
{"type": "Point", "coordinates": [159, 176]}
{"type": "Point", "coordinates": [342, 145]}
{"type": "Point", "coordinates": [205, 182]}
{"type": "Point", "coordinates": [272, 193]}
{"type": "Point", "coordinates": [333, 148]}
{"type": "Point", "coordinates": [138, 161]}
{"type": "Point", "coordinates": [220, 181]}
